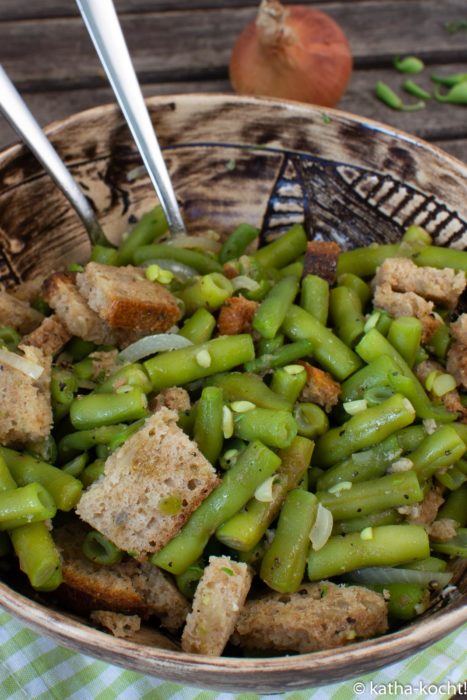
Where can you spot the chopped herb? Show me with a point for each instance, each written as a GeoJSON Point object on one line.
{"type": "Point", "coordinates": [228, 571]}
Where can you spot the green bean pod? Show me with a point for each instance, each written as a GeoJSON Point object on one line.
{"type": "Point", "coordinates": [273, 428]}
{"type": "Point", "coordinates": [208, 292]}
{"type": "Point", "coordinates": [289, 384]}
{"type": "Point", "coordinates": [273, 310]}
{"type": "Point", "coordinates": [314, 297]}
{"type": "Point", "coordinates": [254, 466]}
{"type": "Point", "coordinates": [238, 241]}
{"type": "Point", "coordinates": [312, 421]}
{"type": "Point", "coordinates": [437, 451]}
{"type": "Point", "coordinates": [284, 562]}
{"type": "Point", "coordinates": [129, 375]}
{"type": "Point", "coordinates": [104, 254]}
{"type": "Point", "coordinates": [363, 430]}
{"type": "Point", "coordinates": [405, 334]}
{"type": "Point", "coordinates": [239, 386]}
{"type": "Point", "coordinates": [454, 506]}
{"type": "Point", "coordinates": [436, 256]}
{"type": "Point", "coordinates": [180, 367]}
{"type": "Point", "coordinates": [151, 226]}
{"type": "Point", "coordinates": [346, 314]}
{"type": "Point", "coordinates": [284, 249]}
{"type": "Point", "coordinates": [201, 262]}
{"type": "Point", "coordinates": [199, 327]}
{"type": "Point", "coordinates": [406, 600]}
{"type": "Point", "coordinates": [390, 545]}
{"type": "Point", "coordinates": [208, 433]}
{"type": "Point", "coordinates": [100, 550]}
{"type": "Point", "coordinates": [95, 410]}
{"type": "Point", "coordinates": [25, 504]}
{"type": "Point", "coordinates": [385, 517]}
{"type": "Point", "coordinates": [363, 262]}
{"type": "Point", "coordinates": [38, 556]}
{"type": "Point", "coordinates": [73, 444]}
{"type": "Point", "coordinates": [284, 355]}
{"type": "Point", "coordinates": [329, 350]}
{"type": "Point", "coordinates": [187, 582]}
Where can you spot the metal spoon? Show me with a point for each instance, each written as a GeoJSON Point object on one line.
{"type": "Point", "coordinates": [104, 28]}
{"type": "Point", "coordinates": [20, 118]}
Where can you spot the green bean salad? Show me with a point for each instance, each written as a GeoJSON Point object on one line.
{"type": "Point", "coordinates": [331, 399]}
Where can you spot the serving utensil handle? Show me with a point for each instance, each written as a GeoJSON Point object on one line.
{"type": "Point", "coordinates": [104, 28]}
{"type": "Point", "coordinates": [20, 118]}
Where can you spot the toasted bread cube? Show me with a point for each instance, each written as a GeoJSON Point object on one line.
{"type": "Point", "coordinates": [321, 259]}
{"type": "Point", "coordinates": [18, 314]}
{"type": "Point", "coordinates": [319, 616]}
{"type": "Point", "coordinates": [61, 293]}
{"type": "Point", "coordinates": [149, 488]}
{"type": "Point", "coordinates": [128, 587]}
{"type": "Point", "coordinates": [50, 336]}
{"type": "Point", "coordinates": [320, 387]}
{"type": "Point", "coordinates": [26, 414]}
{"type": "Point", "coordinates": [124, 298]}
{"type": "Point", "coordinates": [219, 598]}
{"type": "Point", "coordinates": [236, 316]}
{"type": "Point", "coordinates": [407, 304]}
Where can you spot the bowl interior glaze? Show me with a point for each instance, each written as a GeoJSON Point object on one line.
{"type": "Point", "coordinates": [233, 159]}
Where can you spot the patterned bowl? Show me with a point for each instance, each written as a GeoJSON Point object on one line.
{"type": "Point", "coordinates": [234, 159]}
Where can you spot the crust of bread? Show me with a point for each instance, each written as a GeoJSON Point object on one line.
{"type": "Point", "coordinates": [236, 316]}
{"type": "Point", "coordinates": [50, 336]}
{"type": "Point", "coordinates": [321, 259]}
{"type": "Point", "coordinates": [18, 314]}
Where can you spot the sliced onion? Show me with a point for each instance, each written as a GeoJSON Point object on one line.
{"type": "Point", "coordinates": [389, 574]}
{"type": "Point", "coordinates": [31, 369]}
{"type": "Point", "coordinates": [181, 271]}
{"type": "Point", "coordinates": [244, 282]}
{"type": "Point", "coordinates": [160, 342]}
{"type": "Point", "coordinates": [322, 528]}
{"type": "Point", "coordinates": [264, 491]}
{"type": "Point", "coordinates": [201, 242]}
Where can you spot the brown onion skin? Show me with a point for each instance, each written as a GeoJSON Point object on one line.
{"type": "Point", "coordinates": [315, 67]}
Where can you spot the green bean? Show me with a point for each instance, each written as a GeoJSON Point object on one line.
{"type": "Point", "coordinates": [79, 348]}
{"type": "Point", "coordinates": [104, 254]}
{"type": "Point", "coordinates": [461, 430]}
{"type": "Point", "coordinates": [25, 504]}
{"type": "Point", "coordinates": [285, 355]}
{"type": "Point", "coordinates": [180, 367]}
{"type": "Point", "coordinates": [84, 369]}
{"type": "Point", "coordinates": [64, 489]}
{"type": "Point", "coordinates": [92, 472]}
{"type": "Point", "coordinates": [9, 337]}
{"type": "Point", "coordinates": [452, 478]}
{"type": "Point", "coordinates": [268, 346]}
{"type": "Point", "coordinates": [239, 386]}
{"type": "Point", "coordinates": [201, 262]}
{"type": "Point", "coordinates": [406, 600]}
{"type": "Point", "coordinates": [364, 430]}
{"type": "Point", "coordinates": [438, 343]}
{"type": "Point", "coordinates": [437, 451]}
{"type": "Point", "coordinates": [245, 529]}
{"type": "Point", "coordinates": [255, 465]}
{"type": "Point", "coordinates": [295, 269]}
{"type": "Point", "coordinates": [373, 375]}
{"type": "Point", "coordinates": [6, 480]}
{"type": "Point", "coordinates": [329, 350]}
{"type": "Point", "coordinates": [363, 262]}
{"type": "Point", "coordinates": [454, 506]}
{"type": "Point", "coordinates": [95, 410]}
{"type": "Point", "coordinates": [284, 249]}
{"type": "Point", "coordinates": [416, 235]}
{"type": "Point", "coordinates": [100, 550]}
{"type": "Point", "coordinates": [346, 314]}
{"type": "Point", "coordinates": [384, 517]}
{"type": "Point", "coordinates": [122, 436]}
{"type": "Point", "coordinates": [76, 465]}
{"type": "Point", "coordinates": [238, 241]}
{"type": "Point", "coordinates": [273, 428]}
{"type": "Point", "coordinates": [52, 583]}
{"type": "Point", "coordinates": [187, 582]}
{"type": "Point", "coordinates": [372, 496]}
{"type": "Point", "coordinates": [435, 256]}
{"type": "Point", "coordinates": [390, 545]}
{"type": "Point", "coordinates": [405, 334]}
{"type": "Point", "coordinates": [150, 227]}
{"type": "Point", "coordinates": [289, 382]}
{"type": "Point", "coordinates": [75, 443]}
{"type": "Point", "coordinates": [38, 556]}
{"type": "Point", "coordinates": [455, 547]}
{"type": "Point", "coordinates": [199, 327]}
{"type": "Point", "coordinates": [428, 564]}
{"type": "Point", "coordinates": [132, 374]}
{"type": "Point", "coordinates": [274, 308]}
{"type": "Point", "coordinates": [311, 420]}
{"type": "Point", "coordinates": [314, 297]}
{"type": "Point", "coordinates": [283, 565]}
{"type": "Point", "coordinates": [361, 288]}
{"type": "Point", "coordinates": [208, 433]}
{"type": "Point", "coordinates": [63, 386]}
{"type": "Point", "coordinates": [208, 292]}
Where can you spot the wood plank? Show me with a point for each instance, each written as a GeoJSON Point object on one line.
{"type": "Point", "coordinates": [191, 44]}
{"type": "Point", "coordinates": [25, 9]}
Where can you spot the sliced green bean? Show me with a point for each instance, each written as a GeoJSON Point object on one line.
{"type": "Point", "coordinates": [454, 507]}
{"type": "Point", "coordinates": [289, 381]}
{"type": "Point", "coordinates": [100, 550]}
{"type": "Point", "coordinates": [199, 327]}
{"type": "Point", "coordinates": [346, 314]}
{"type": "Point", "coordinates": [455, 547]}
{"type": "Point", "coordinates": [437, 451]}
{"type": "Point", "coordinates": [255, 465]}
{"type": "Point", "coordinates": [150, 227]}
{"type": "Point", "coordinates": [359, 286]}
{"type": "Point", "coordinates": [238, 241]}
{"type": "Point", "coordinates": [25, 504]}
{"type": "Point", "coordinates": [283, 565]}
{"type": "Point", "coordinates": [284, 249]}
{"type": "Point", "coordinates": [390, 545]}
{"type": "Point", "coordinates": [363, 262]}
{"type": "Point", "coordinates": [314, 297]}
{"type": "Point", "coordinates": [92, 472]}
{"type": "Point", "coordinates": [132, 374]}
{"type": "Point", "coordinates": [384, 517]}
{"type": "Point", "coordinates": [38, 556]}
{"type": "Point", "coordinates": [405, 334]}
{"type": "Point", "coordinates": [208, 433]}
{"type": "Point", "coordinates": [201, 262]}
{"type": "Point", "coordinates": [95, 410]}
{"type": "Point", "coordinates": [74, 443]}
{"type": "Point", "coordinates": [105, 255]}
{"type": "Point", "coordinates": [436, 256]}
{"type": "Point", "coordinates": [312, 421]}
{"type": "Point", "coordinates": [285, 355]}
{"type": "Point", "coordinates": [273, 428]}
{"type": "Point", "coordinates": [238, 386]}
{"type": "Point", "coordinates": [406, 600]}
{"type": "Point", "coordinates": [273, 310]}
{"type": "Point", "coordinates": [187, 582]}
{"type": "Point", "coordinates": [208, 292]}
{"type": "Point", "coordinates": [76, 465]}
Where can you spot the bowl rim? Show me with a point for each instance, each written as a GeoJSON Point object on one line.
{"type": "Point", "coordinates": [66, 629]}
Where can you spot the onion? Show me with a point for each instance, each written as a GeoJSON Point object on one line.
{"type": "Point", "coordinates": [244, 282]}
{"type": "Point", "coordinates": [31, 369]}
{"type": "Point", "coordinates": [322, 527]}
{"type": "Point", "coordinates": [264, 492]}
{"type": "Point", "coordinates": [388, 574]}
{"type": "Point", "coordinates": [153, 343]}
{"type": "Point", "coordinates": [293, 52]}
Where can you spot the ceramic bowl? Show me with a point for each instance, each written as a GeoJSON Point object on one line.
{"type": "Point", "coordinates": [234, 159]}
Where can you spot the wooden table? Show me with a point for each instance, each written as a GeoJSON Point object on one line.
{"type": "Point", "coordinates": [184, 46]}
